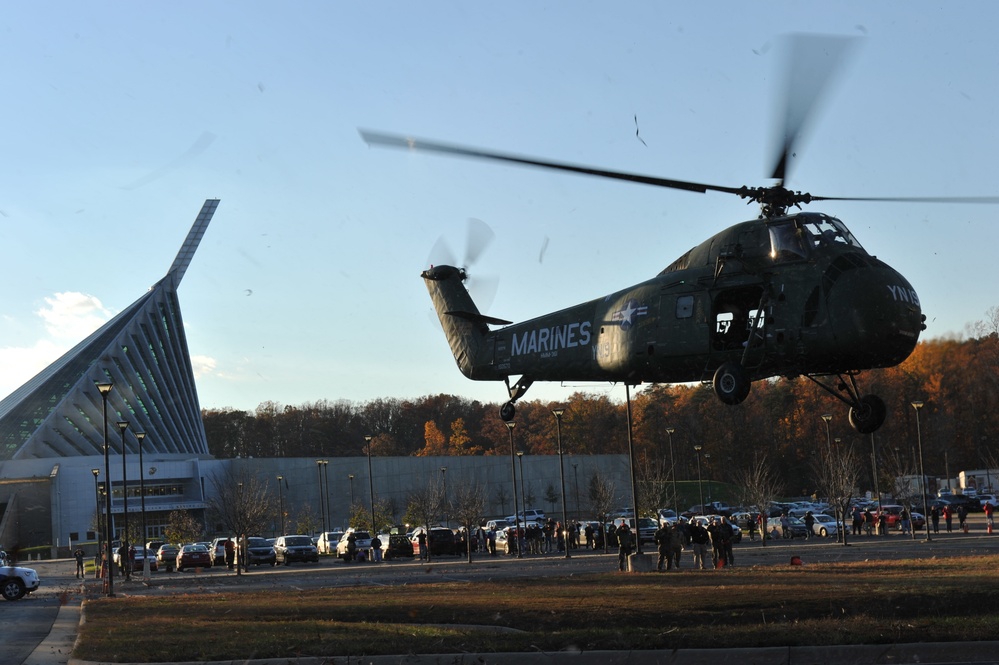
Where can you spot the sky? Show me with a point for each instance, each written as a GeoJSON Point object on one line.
{"type": "Point", "coordinates": [121, 118]}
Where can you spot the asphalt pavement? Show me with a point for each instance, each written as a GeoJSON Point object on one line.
{"type": "Point", "coordinates": [41, 629]}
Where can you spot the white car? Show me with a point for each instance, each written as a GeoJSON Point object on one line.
{"type": "Point", "coordinates": [16, 581]}
{"type": "Point", "coordinates": [988, 499]}
{"type": "Point", "coordinates": [824, 525]}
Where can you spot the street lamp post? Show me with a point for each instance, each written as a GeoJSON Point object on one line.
{"type": "Point", "coordinates": [516, 510]}
{"type": "Point", "coordinates": [917, 405]}
{"type": "Point", "coordinates": [672, 472]}
{"type": "Point", "coordinates": [326, 479]}
{"type": "Point", "coordinates": [700, 493]}
{"type": "Point", "coordinates": [104, 389]}
{"type": "Point", "coordinates": [140, 437]}
{"type": "Point", "coordinates": [575, 481]}
{"type": "Point", "coordinates": [371, 487]}
{"type": "Point", "coordinates": [523, 494]}
{"type": "Point", "coordinates": [874, 466]}
{"type": "Point", "coordinates": [558, 413]}
{"type": "Point", "coordinates": [125, 560]}
{"type": "Point", "coordinates": [350, 478]}
{"type": "Point", "coordinates": [97, 506]}
{"type": "Point", "coordinates": [444, 490]}
{"type": "Point", "coordinates": [322, 504]}
{"type": "Point", "coordinates": [826, 417]}
{"type": "Point", "coordinates": [280, 480]}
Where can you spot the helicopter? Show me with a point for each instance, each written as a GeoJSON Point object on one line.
{"type": "Point", "coordinates": [791, 293]}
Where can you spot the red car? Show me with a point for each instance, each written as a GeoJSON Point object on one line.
{"type": "Point", "coordinates": [193, 556]}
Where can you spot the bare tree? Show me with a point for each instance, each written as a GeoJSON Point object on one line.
{"type": "Point", "coordinates": [900, 467]}
{"type": "Point", "coordinates": [424, 508]}
{"type": "Point", "coordinates": [182, 527]}
{"type": "Point", "coordinates": [759, 486]}
{"type": "Point", "coordinates": [467, 506]}
{"type": "Point", "coordinates": [837, 470]}
{"type": "Point", "coordinates": [655, 490]}
{"type": "Point", "coordinates": [241, 502]}
{"type": "Point", "coordinates": [602, 501]}
{"type": "Point", "coordinates": [360, 516]}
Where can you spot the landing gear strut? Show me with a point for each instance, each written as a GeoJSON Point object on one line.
{"type": "Point", "coordinates": [867, 412]}
{"type": "Point", "coordinates": [509, 409]}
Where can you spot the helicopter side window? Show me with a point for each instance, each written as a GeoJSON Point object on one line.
{"type": "Point", "coordinates": [684, 307]}
{"type": "Point", "coordinates": [787, 243]}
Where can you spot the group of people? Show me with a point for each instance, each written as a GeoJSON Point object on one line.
{"type": "Point", "coordinates": [672, 538]}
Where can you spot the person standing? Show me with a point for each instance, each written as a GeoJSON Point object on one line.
{"type": "Point", "coordinates": [376, 549]}
{"type": "Point", "coordinates": [625, 543]}
{"type": "Point", "coordinates": [675, 547]}
{"type": "Point", "coordinates": [948, 515]}
{"type": "Point", "coordinates": [987, 509]}
{"type": "Point", "coordinates": [421, 543]}
{"type": "Point", "coordinates": [78, 555]}
{"type": "Point", "coordinates": [962, 517]}
{"type": "Point", "coordinates": [230, 553]}
{"type": "Point", "coordinates": [663, 546]}
{"type": "Point", "coordinates": [935, 518]}
{"type": "Point", "coordinates": [698, 543]}
{"type": "Point", "coordinates": [809, 524]}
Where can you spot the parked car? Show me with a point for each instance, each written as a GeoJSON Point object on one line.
{"type": "Point", "coordinates": [166, 556]}
{"type": "Point", "coordinates": [395, 546]}
{"type": "Point", "coordinates": [528, 516]}
{"type": "Point", "coordinates": [440, 540]}
{"type": "Point", "coordinates": [295, 548]}
{"type": "Point", "coordinates": [193, 556]}
{"type": "Point", "coordinates": [824, 525]}
{"type": "Point", "coordinates": [988, 498]}
{"type": "Point", "coordinates": [217, 551]}
{"type": "Point", "coordinates": [705, 520]}
{"type": "Point", "coordinates": [260, 552]}
{"type": "Point", "coordinates": [16, 581]}
{"type": "Point", "coordinates": [647, 527]}
{"type": "Point", "coordinates": [362, 541]}
{"type": "Point", "coordinates": [796, 527]}
{"type": "Point", "coordinates": [327, 541]}
{"type": "Point", "coordinates": [141, 554]}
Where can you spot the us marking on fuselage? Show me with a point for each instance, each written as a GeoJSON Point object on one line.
{"type": "Point", "coordinates": [547, 340]}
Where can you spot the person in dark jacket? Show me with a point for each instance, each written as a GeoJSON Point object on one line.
{"type": "Point", "coordinates": [625, 544]}
{"type": "Point", "coordinates": [663, 545]}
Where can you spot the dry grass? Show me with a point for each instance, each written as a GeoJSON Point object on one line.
{"type": "Point", "coordinates": [823, 604]}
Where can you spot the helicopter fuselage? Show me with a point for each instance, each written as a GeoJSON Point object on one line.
{"type": "Point", "coordinates": [785, 296]}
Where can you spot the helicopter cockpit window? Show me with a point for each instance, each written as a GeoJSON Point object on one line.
{"type": "Point", "coordinates": [828, 231]}
{"type": "Point", "coordinates": [787, 243]}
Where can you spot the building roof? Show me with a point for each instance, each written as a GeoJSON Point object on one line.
{"type": "Point", "coordinates": [143, 353]}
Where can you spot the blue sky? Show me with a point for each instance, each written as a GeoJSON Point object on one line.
{"type": "Point", "coordinates": [122, 117]}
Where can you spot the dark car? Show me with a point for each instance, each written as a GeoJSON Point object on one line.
{"type": "Point", "coordinates": [260, 552]}
{"type": "Point", "coordinates": [166, 556]}
{"type": "Point", "coordinates": [795, 526]}
{"type": "Point", "coordinates": [396, 546]}
{"type": "Point", "coordinates": [295, 548]}
{"type": "Point", "coordinates": [193, 556]}
{"type": "Point", "coordinates": [440, 540]}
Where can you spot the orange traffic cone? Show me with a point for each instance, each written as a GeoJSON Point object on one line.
{"type": "Point", "coordinates": [990, 528]}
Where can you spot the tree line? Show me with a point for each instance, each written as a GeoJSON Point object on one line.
{"type": "Point", "coordinates": [781, 422]}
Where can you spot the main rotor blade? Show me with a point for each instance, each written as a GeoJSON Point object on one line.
{"type": "Point", "coordinates": [990, 200]}
{"type": "Point", "coordinates": [812, 62]}
{"type": "Point", "coordinates": [373, 138]}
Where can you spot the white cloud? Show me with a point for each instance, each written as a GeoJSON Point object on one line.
{"type": "Point", "coordinates": [71, 315]}
{"type": "Point", "coordinates": [69, 318]}
{"type": "Point", "coordinates": [203, 366]}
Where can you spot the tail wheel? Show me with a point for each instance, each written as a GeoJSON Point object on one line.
{"type": "Point", "coordinates": [730, 383]}
{"type": "Point", "coordinates": [868, 415]}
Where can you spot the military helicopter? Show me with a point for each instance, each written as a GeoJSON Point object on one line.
{"type": "Point", "coordinates": [787, 294]}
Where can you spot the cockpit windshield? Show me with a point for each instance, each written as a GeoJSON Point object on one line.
{"type": "Point", "coordinates": [794, 239]}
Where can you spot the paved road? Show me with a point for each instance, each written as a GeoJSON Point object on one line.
{"type": "Point", "coordinates": [28, 621]}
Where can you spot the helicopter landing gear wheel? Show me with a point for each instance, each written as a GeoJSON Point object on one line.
{"type": "Point", "coordinates": [868, 415]}
{"type": "Point", "coordinates": [507, 412]}
{"type": "Point", "coordinates": [730, 383]}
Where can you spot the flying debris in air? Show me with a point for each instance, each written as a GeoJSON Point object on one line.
{"type": "Point", "coordinates": [636, 132]}
{"type": "Point", "coordinates": [544, 247]}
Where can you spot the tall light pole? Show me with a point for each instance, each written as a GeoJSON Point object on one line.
{"type": "Point", "coordinates": [700, 493]}
{"type": "Point", "coordinates": [444, 487]}
{"type": "Point", "coordinates": [97, 506]}
{"type": "Point", "coordinates": [280, 480]}
{"type": "Point", "coordinates": [513, 469]}
{"type": "Point", "coordinates": [371, 486]}
{"type": "Point", "coordinates": [826, 417]}
{"type": "Point", "coordinates": [350, 479]}
{"type": "Point", "coordinates": [917, 405]}
{"type": "Point", "coordinates": [672, 472]}
{"type": "Point", "coordinates": [631, 464]}
{"type": "Point", "coordinates": [322, 504]}
{"type": "Point", "coordinates": [575, 479]}
{"type": "Point", "coordinates": [874, 466]}
{"type": "Point", "coordinates": [523, 494]}
{"type": "Point", "coordinates": [104, 389]}
{"type": "Point", "coordinates": [140, 437]}
{"type": "Point", "coordinates": [125, 560]}
{"type": "Point", "coordinates": [558, 413]}
{"type": "Point", "coordinates": [326, 479]}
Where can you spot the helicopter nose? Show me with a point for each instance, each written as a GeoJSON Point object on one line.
{"type": "Point", "coordinates": [875, 314]}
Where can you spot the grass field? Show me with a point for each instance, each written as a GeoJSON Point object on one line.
{"type": "Point", "coordinates": [877, 602]}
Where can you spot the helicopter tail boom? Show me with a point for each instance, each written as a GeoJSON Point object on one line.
{"type": "Point", "coordinates": [467, 329]}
